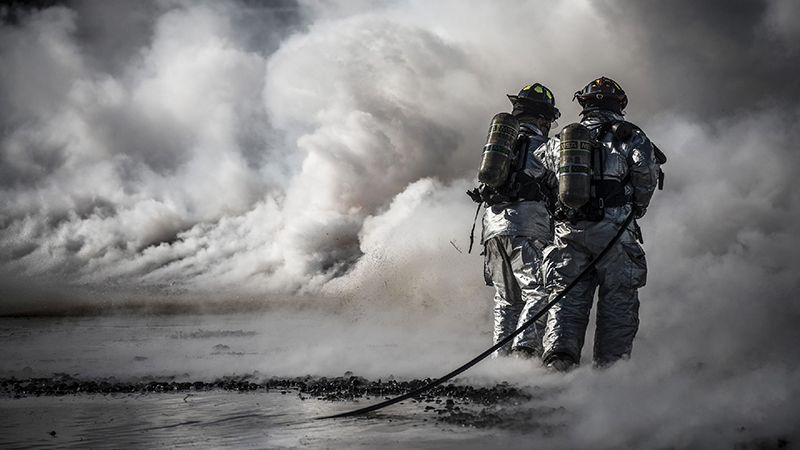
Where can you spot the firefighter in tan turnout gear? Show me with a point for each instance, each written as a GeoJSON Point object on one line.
{"type": "Point", "coordinates": [516, 224]}
{"type": "Point", "coordinates": [606, 168]}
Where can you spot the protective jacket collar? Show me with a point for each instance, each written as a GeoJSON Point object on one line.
{"type": "Point", "coordinates": [530, 129]}
{"type": "Point", "coordinates": [596, 118]}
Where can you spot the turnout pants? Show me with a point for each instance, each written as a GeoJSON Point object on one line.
{"type": "Point", "coordinates": [616, 278]}
{"type": "Point", "coordinates": [512, 265]}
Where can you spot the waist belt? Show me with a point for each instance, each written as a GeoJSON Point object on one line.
{"type": "Point", "coordinates": [530, 191]}
{"type": "Point", "coordinates": [607, 193]}
{"type": "Point", "coordinates": [611, 193]}
{"type": "Point", "coordinates": [507, 194]}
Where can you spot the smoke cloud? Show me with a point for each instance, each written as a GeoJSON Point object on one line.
{"type": "Point", "coordinates": [181, 151]}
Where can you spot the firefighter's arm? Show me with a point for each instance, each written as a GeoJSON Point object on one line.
{"type": "Point", "coordinates": [643, 171]}
{"type": "Point", "coordinates": [547, 154]}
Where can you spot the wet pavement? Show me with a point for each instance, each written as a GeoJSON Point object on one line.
{"type": "Point", "coordinates": [239, 381]}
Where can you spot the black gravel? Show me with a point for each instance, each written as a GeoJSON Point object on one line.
{"type": "Point", "coordinates": [500, 406]}
{"type": "Point", "coordinates": [321, 388]}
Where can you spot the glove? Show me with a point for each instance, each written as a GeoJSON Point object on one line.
{"type": "Point", "coordinates": [638, 211]}
{"type": "Point", "coordinates": [475, 195]}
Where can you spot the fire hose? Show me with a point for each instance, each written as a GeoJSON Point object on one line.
{"type": "Point", "coordinates": [500, 343]}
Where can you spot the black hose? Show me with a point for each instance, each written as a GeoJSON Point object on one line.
{"type": "Point", "coordinates": [499, 344]}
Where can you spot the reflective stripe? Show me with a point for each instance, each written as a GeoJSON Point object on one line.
{"type": "Point", "coordinates": [573, 169]}
{"type": "Point", "coordinates": [492, 148]}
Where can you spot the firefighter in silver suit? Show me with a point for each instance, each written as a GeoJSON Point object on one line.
{"type": "Point", "coordinates": [517, 228]}
{"type": "Point", "coordinates": [625, 171]}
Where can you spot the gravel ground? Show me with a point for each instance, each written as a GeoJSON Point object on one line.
{"type": "Point", "coordinates": [500, 406]}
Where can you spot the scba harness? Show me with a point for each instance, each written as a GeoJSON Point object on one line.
{"type": "Point", "coordinates": [581, 197]}
{"type": "Point", "coordinates": [502, 170]}
{"type": "Point", "coordinates": [503, 161]}
{"type": "Point", "coordinates": [518, 186]}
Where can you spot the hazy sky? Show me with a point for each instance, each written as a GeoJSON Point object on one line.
{"type": "Point", "coordinates": [186, 149]}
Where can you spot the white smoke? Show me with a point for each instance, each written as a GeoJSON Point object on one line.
{"type": "Point", "coordinates": [326, 153]}
{"type": "Point", "coordinates": [145, 178]}
{"type": "Point", "coordinates": [103, 169]}
{"type": "Point", "coordinates": [198, 164]}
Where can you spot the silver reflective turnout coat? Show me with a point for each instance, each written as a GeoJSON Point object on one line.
{"type": "Point", "coordinates": [522, 217]}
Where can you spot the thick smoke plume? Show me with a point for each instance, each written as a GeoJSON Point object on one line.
{"type": "Point", "coordinates": [178, 151]}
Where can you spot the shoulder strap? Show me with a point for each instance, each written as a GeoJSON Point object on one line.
{"type": "Point", "coordinates": [661, 158]}
{"type": "Point", "coordinates": [522, 150]}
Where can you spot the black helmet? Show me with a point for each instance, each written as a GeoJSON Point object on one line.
{"type": "Point", "coordinates": [535, 100]}
{"type": "Point", "coordinates": [602, 93]}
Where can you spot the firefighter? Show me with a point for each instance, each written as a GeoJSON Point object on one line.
{"type": "Point", "coordinates": [516, 224]}
{"type": "Point", "coordinates": [606, 168]}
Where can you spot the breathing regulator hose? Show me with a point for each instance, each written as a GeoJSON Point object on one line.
{"type": "Point", "coordinates": [500, 343]}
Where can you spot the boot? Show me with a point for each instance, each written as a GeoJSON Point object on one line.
{"type": "Point", "coordinates": [560, 362]}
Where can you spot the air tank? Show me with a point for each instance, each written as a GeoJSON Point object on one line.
{"type": "Point", "coordinates": [574, 175]}
{"type": "Point", "coordinates": [499, 150]}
